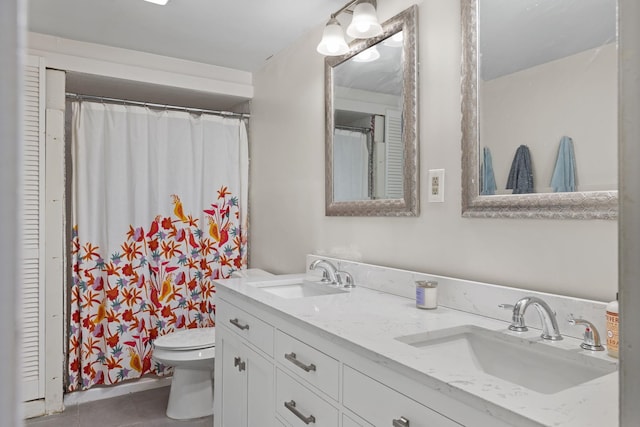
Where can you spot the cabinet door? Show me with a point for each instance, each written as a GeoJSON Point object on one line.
{"type": "Point", "coordinates": [232, 381]}
{"type": "Point", "coordinates": [244, 385]}
{"type": "Point", "coordinates": [33, 255]}
{"type": "Point", "coordinates": [260, 396]}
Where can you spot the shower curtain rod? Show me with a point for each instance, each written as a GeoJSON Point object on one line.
{"type": "Point", "coordinates": [154, 105]}
{"type": "Point", "coordinates": [360, 129]}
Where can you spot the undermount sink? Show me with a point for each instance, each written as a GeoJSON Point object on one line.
{"type": "Point", "coordinates": [539, 367]}
{"type": "Point", "coordinates": [300, 289]}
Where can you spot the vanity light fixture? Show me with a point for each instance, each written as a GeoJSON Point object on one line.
{"type": "Point", "coordinates": [364, 25]}
{"type": "Point", "coordinates": [160, 2]}
{"type": "Point", "coordinates": [333, 42]}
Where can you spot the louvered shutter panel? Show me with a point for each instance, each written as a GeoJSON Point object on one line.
{"type": "Point", "coordinates": [32, 231]}
{"type": "Point", "coordinates": [395, 155]}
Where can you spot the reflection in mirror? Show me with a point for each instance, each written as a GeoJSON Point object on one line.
{"type": "Point", "coordinates": [540, 108]}
{"type": "Point", "coordinates": [367, 141]}
{"type": "Point", "coordinates": [371, 126]}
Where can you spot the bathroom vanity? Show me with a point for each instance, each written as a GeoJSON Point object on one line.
{"type": "Point", "coordinates": [293, 353]}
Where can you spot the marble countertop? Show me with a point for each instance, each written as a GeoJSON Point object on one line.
{"type": "Point", "coordinates": [372, 320]}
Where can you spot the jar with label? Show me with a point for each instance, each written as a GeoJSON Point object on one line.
{"type": "Point", "coordinates": [427, 294]}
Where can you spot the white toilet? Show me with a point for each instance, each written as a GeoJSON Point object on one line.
{"type": "Point", "coordinates": [191, 352]}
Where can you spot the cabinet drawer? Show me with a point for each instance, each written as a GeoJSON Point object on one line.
{"type": "Point", "coordinates": [349, 422]}
{"type": "Point", "coordinates": [381, 405]}
{"type": "Point", "coordinates": [308, 363]}
{"type": "Point", "coordinates": [251, 328]}
{"type": "Point", "coordinates": [303, 407]}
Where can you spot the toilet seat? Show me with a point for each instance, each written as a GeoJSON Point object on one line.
{"type": "Point", "coordinates": [187, 339]}
{"type": "Point", "coordinates": [172, 357]}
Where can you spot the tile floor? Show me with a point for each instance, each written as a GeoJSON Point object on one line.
{"type": "Point", "coordinates": [145, 408]}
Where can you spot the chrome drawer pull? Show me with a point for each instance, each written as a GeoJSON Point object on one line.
{"type": "Point", "coordinates": [402, 422]}
{"type": "Point", "coordinates": [291, 357]}
{"type": "Point", "coordinates": [237, 362]}
{"type": "Point", "coordinates": [292, 407]}
{"type": "Point", "coordinates": [236, 322]}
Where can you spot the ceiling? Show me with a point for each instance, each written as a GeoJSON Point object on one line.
{"type": "Point", "coordinates": [243, 34]}
{"type": "Point", "coordinates": [238, 34]}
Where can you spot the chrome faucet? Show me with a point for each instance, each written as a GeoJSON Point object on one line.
{"type": "Point", "coordinates": [329, 271]}
{"type": "Point", "coordinates": [550, 330]}
{"type": "Point", "coordinates": [331, 275]}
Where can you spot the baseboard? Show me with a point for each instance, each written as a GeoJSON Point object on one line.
{"type": "Point", "coordinates": [33, 408]}
{"type": "Point", "coordinates": [106, 392]}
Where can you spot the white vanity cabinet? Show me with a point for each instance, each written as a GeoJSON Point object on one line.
{"type": "Point", "coordinates": [244, 371]}
{"type": "Point", "coordinates": [300, 406]}
{"type": "Point", "coordinates": [348, 421]}
{"type": "Point", "coordinates": [397, 411]}
{"type": "Point", "coordinates": [308, 364]}
{"type": "Point", "coordinates": [299, 376]}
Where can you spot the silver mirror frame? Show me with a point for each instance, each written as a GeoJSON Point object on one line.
{"type": "Point", "coordinates": [406, 21]}
{"type": "Point", "coordinates": [577, 205]}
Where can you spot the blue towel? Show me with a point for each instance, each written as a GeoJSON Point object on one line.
{"type": "Point", "coordinates": [564, 175]}
{"type": "Point", "coordinates": [521, 173]}
{"type": "Point", "coordinates": [487, 178]}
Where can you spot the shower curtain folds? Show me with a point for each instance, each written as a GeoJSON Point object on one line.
{"type": "Point", "coordinates": [158, 208]}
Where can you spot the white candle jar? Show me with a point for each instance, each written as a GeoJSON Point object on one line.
{"type": "Point", "coordinates": [427, 294]}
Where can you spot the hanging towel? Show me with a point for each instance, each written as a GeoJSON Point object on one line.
{"type": "Point", "coordinates": [488, 179]}
{"type": "Point", "coordinates": [521, 173]}
{"type": "Point", "coordinates": [564, 175]}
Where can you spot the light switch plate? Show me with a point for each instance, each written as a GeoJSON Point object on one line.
{"type": "Point", "coordinates": [436, 185]}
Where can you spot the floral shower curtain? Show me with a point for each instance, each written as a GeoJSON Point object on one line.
{"type": "Point", "coordinates": [159, 208]}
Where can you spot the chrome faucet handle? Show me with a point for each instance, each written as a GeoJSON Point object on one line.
{"type": "Point", "coordinates": [325, 277]}
{"type": "Point", "coordinates": [348, 281]}
{"type": "Point", "coordinates": [517, 323]}
{"type": "Point", "coordinates": [591, 336]}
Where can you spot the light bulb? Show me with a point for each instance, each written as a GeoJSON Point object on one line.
{"type": "Point", "coordinates": [363, 27]}
{"type": "Point", "coordinates": [332, 46]}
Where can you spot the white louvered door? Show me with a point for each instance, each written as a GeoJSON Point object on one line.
{"type": "Point", "coordinates": [32, 231]}
{"type": "Point", "coordinates": [394, 180]}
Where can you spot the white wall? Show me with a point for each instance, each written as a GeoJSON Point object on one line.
{"type": "Point", "coordinates": [577, 258]}
{"type": "Point", "coordinates": [574, 96]}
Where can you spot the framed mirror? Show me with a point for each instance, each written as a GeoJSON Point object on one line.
{"type": "Point", "coordinates": [539, 109]}
{"type": "Point", "coordinates": [371, 136]}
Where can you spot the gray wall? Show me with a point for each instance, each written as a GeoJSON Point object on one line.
{"type": "Point", "coordinates": [576, 258]}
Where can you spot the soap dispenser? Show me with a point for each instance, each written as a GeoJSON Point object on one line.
{"type": "Point", "coordinates": [612, 328]}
